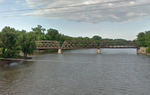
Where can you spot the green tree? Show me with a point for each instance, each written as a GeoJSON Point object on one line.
{"type": "Point", "coordinates": [39, 32]}
{"type": "Point", "coordinates": [9, 42]}
{"type": "Point", "coordinates": [27, 43]}
{"type": "Point", "coordinates": [147, 38]}
{"type": "Point", "coordinates": [98, 38]}
{"type": "Point", "coordinates": [148, 50]}
{"type": "Point", "coordinates": [52, 34]}
{"type": "Point", "coordinates": [141, 39]}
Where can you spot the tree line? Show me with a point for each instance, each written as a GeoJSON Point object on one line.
{"type": "Point", "coordinates": [13, 41]}
{"type": "Point", "coordinates": [143, 40]}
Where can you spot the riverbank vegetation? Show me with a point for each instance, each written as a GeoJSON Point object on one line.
{"type": "Point", "coordinates": [143, 40]}
{"type": "Point", "coordinates": [13, 41]}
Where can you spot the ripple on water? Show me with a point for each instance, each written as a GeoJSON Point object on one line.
{"type": "Point", "coordinates": [79, 72]}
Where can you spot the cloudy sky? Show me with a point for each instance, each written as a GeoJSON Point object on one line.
{"type": "Point", "coordinates": [107, 18]}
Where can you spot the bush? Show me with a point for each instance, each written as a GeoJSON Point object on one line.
{"type": "Point", "coordinates": [148, 50]}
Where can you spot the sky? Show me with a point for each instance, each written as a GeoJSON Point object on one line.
{"type": "Point", "coordinates": [107, 18]}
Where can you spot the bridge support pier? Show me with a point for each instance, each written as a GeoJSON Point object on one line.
{"type": "Point", "coordinates": [98, 51]}
{"type": "Point", "coordinates": [59, 51]}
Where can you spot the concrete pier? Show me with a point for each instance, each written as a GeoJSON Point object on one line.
{"type": "Point", "coordinates": [99, 51]}
{"type": "Point", "coordinates": [59, 51]}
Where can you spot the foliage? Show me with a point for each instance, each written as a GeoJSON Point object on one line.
{"type": "Point", "coordinates": [143, 39]}
{"type": "Point", "coordinates": [27, 44]}
{"type": "Point", "coordinates": [13, 41]}
{"type": "Point", "coordinates": [147, 38]}
{"type": "Point", "coordinates": [113, 42]}
{"type": "Point", "coordinates": [96, 37]}
{"type": "Point", "coordinates": [148, 50]}
{"type": "Point", "coordinates": [9, 42]}
{"type": "Point", "coordinates": [39, 32]}
{"type": "Point", "coordinates": [52, 34]}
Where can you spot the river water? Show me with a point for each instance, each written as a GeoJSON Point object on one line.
{"type": "Point", "coordinates": [79, 72]}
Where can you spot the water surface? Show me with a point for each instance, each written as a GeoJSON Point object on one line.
{"type": "Point", "coordinates": [79, 72]}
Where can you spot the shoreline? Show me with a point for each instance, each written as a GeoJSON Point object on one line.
{"type": "Point", "coordinates": [8, 61]}
{"type": "Point", "coordinates": [143, 51]}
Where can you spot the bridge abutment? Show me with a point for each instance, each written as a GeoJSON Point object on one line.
{"type": "Point", "coordinates": [99, 51]}
{"type": "Point", "coordinates": [59, 51]}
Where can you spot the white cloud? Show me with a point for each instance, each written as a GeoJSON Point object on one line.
{"type": "Point", "coordinates": [19, 2]}
{"type": "Point", "coordinates": [1, 1]}
{"type": "Point", "coordinates": [132, 2]}
{"type": "Point", "coordinates": [93, 11]}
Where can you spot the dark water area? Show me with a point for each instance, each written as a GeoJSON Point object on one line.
{"type": "Point", "coordinates": [79, 72]}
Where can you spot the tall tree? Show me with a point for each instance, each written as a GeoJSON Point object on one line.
{"type": "Point", "coordinates": [27, 44]}
{"type": "Point", "coordinates": [39, 32]}
{"type": "Point", "coordinates": [97, 38]}
{"type": "Point", "coordinates": [52, 34]}
{"type": "Point", "coordinates": [9, 42]}
{"type": "Point", "coordinates": [141, 39]}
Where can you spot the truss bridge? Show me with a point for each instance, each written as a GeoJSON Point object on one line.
{"type": "Point", "coordinates": [68, 45]}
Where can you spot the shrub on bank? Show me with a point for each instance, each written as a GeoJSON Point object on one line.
{"type": "Point", "coordinates": [148, 50]}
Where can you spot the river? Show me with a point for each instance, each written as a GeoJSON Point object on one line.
{"type": "Point", "coordinates": [79, 72]}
